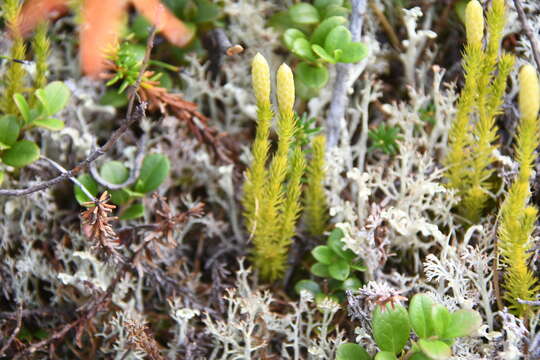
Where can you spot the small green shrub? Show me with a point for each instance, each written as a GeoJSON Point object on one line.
{"type": "Point", "coordinates": [154, 170]}
{"type": "Point", "coordinates": [385, 138]}
{"type": "Point", "coordinates": [435, 327]}
{"type": "Point", "coordinates": [317, 34]}
{"type": "Point", "coordinates": [335, 264]}
{"type": "Point", "coordinates": [14, 149]}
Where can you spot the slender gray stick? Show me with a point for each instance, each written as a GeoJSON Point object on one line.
{"type": "Point", "coordinates": [339, 95]}
{"type": "Point", "coordinates": [62, 170]}
{"type": "Point", "coordinates": [528, 31]}
{"type": "Point", "coordinates": [131, 117]}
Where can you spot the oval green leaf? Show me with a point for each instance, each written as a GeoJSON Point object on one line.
{"type": "Point", "coordinates": [22, 153]}
{"type": "Point", "coordinates": [334, 10]}
{"type": "Point", "coordinates": [352, 283]}
{"type": "Point", "coordinates": [339, 269]}
{"type": "Point", "coordinates": [54, 97]}
{"type": "Point", "coordinates": [312, 76]}
{"type": "Point", "coordinates": [9, 130]}
{"type": "Point", "coordinates": [302, 48]}
{"type": "Point", "coordinates": [435, 349]}
{"type": "Point", "coordinates": [319, 50]}
{"type": "Point", "coordinates": [420, 315]}
{"type": "Point", "coordinates": [321, 31]}
{"type": "Point", "coordinates": [441, 319]}
{"type": "Point", "coordinates": [308, 285]}
{"type": "Point", "coordinates": [154, 170]}
{"type": "Point", "coordinates": [320, 270]}
{"type": "Point", "coordinates": [114, 172]}
{"type": "Point", "coordinates": [49, 123]}
{"type": "Point", "coordinates": [337, 39]}
{"type": "Point", "coordinates": [321, 4]}
{"type": "Point", "coordinates": [462, 323]}
{"type": "Point", "coordinates": [290, 35]}
{"type": "Point", "coordinates": [323, 254]}
{"type": "Point", "coordinates": [385, 355]}
{"type": "Point", "coordinates": [304, 13]}
{"type": "Point", "coordinates": [391, 328]}
{"type": "Point", "coordinates": [350, 351]}
{"type": "Point", "coordinates": [23, 106]}
{"type": "Point", "coordinates": [119, 197]}
{"type": "Point", "coordinates": [133, 212]}
{"type": "Point", "coordinates": [353, 52]}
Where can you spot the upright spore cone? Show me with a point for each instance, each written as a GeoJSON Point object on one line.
{"type": "Point", "coordinates": [260, 77]}
{"type": "Point", "coordinates": [285, 90]}
{"type": "Point", "coordinates": [474, 23]}
{"type": "Point", "coordinates": [529, 92]}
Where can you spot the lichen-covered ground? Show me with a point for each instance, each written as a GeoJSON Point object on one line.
{"type": "Point", "coordinates": [177, 281]}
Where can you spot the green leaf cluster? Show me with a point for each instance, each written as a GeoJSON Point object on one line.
{"type": "Point", "coordinates": [385, 138]}
{"type": "Point", "coordinates": [318, 35]}
{"type": "Point", "coordinates": [154, 170]}
{"type": "Point", "coordinates": [435, 327]}
{"type": "Point", "coordinates": [335, 264]}
{"type": "Point", "coordinates": [16, 151]}
{"type": "Point", "coordinates": [473, 135]}
{"type": "Point", "coordinates": [127, 59]}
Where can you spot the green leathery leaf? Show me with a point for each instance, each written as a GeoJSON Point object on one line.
{"type": "Point", "coordinates": [353, 52]}
{"type": "Point", "coordinates": [154, 170]}
{"type": "Point", "coordinates": [420, 315]}
{"type": "Point", "coordinates": [302, 48]}
{"type": "Point", "coordinates": [49, 123]}
{"type": "Point", "coordinates": [21, 153]}
{"type": "Point", "coordinates": [339, 269]}
{"type": "Point", "coordinates": [350, 351]}
{"type": "Point", "coordinates": [323, 254]}
{"type": "Point", "coordinates": [23, 107]}
{"type": "Point", "coordinates": [304, 13]}
{"type": "Point", "coordinates": [9, 130]}
{"type": "Point", "coordinates": [385, 355]}
{"type": "Point", "coordinates": [391, 327]}
{"type": "Point", "coordinates": [133, 212]}
{"type": "Point", "coordinates": [114, 172]}
{"type": "Point", "coordinates": [320, 270]}
{"type": "Point", "coordinates": [54, 97]}
{"type": "Point", "coordinates": [338, 38]}
{"type": "Point", "coordinates": [308, 285]}
{"type": "Point", "coordinates": [323, 54]}
{"type": "Point", "coordinates": [462, 323]}
{"type": "Point", "coordinates": [290, 35]}
{"type": "Point", "coordinates": [312, 76]}
{"type": "Point", "coordinates": [435, 349]}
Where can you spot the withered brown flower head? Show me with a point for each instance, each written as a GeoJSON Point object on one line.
{"type": "Point", "coordinates": [97, 228]}
{"type": "Point", "coordinates": [140, 338]}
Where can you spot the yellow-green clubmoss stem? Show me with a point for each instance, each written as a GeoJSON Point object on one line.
{"type": "Point", "coordinates": [316, 207]}
{"type": "Point", "coordinates": [256, 174]}
{"type": "Point", "coordinates": [517, 217]}
{"type": "Point", "coordinates": [15, 73]}
{"type": "Point", "coordinates": [473, 135]}
{"type": "Point", "coordinates": [272, 195]}
{"type": "Point", "coordinates": [41, 47]}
